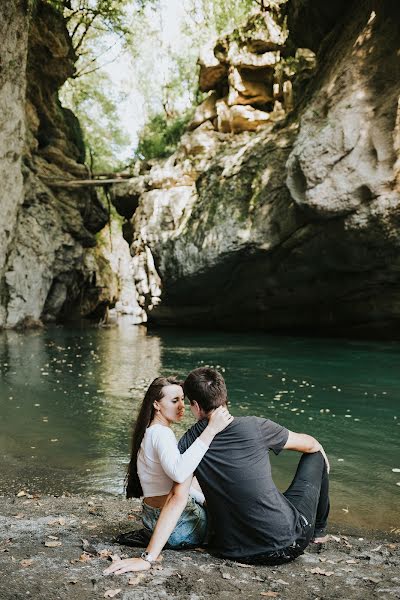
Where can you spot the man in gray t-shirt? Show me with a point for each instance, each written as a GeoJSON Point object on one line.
{"type": "Point", "coordinates": [247, 513]}
{"type": "Point", "coordinates": [249, 519]}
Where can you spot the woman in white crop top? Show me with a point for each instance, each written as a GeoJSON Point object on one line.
{"type": "Point", "coordinates": [156, 462]}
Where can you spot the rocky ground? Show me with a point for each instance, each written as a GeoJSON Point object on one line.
{"type": "Point", "coordinates": [57, 547]}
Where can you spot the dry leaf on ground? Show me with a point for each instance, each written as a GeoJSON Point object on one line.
{"type": "Point", "coordinates": [19, 516]}
{"type": "Point", "coordinates": [85, 557]}
{"type": "Point", "coordinates": [52, 544]}
{"type": "Point", "coordinates": [281, 581]}
{"type": "Point", "coordinates": [318, 571]}
{"type": "Point", "coordinates": [26, 562]}
{"type": "Point", "coordinates": [372, 579]}
{"type": "Point", "coordinates": [136, 580]}
{"type": "Point", "coordinates": [269, 594]}
{"type": "Point", "coordinates": [111, 593]}
{"type": "Point", "coordinates": [21, 493]}
{"type": "Point", "coordinates": [336, 538]}
{"type": "Point", "coordinates": [105, 553]}
{"type": "Point", "coordinates": [60, 521]}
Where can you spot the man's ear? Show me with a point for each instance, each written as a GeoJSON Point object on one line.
{"type": "Point", "coordinates": [196, 408]}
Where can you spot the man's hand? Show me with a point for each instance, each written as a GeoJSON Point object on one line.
{"type": "Point", "coordinates": [127, 565]}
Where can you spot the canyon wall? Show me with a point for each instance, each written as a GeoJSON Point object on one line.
{"type": "Point", "coordinates": [280, 209]}
{"type": "Point", "coordinates": [50, 266]}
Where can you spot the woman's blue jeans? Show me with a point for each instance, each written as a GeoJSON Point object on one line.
{"type": "Point", "coordinates": [191, 529]}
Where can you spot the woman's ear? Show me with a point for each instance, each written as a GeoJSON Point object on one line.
{"type": "Point", "coordinates": [156, 405]}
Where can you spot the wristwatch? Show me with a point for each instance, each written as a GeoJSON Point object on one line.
{"type": "Point", "coordinates": [147, 557]}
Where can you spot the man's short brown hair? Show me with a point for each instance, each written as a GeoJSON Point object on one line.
{"type": "Point", "coordinates": [207, 387]}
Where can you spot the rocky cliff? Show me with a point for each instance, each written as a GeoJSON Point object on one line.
{"type": "Point", "coordinates": [49, 264]}
{"type": "Point", "coordinates": [281, 208]}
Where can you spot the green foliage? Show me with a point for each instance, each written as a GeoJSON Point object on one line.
{"type": "Point", "coordinates": [213, 17]}
{"type": "Point", "coordinates": [160, 136]}
{"type": "Point", "coordinates": [92, 101]}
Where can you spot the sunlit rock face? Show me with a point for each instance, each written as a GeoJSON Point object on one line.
{"type": "Point", "coordinates": [49, 268]}
{"type": "Point", "coordinates": [293, 227]}
{"type": "Point", "coordinates": [249, 75]}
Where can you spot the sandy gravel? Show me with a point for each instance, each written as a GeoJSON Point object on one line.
{"type": "Point", "coordinates": [42, 556]}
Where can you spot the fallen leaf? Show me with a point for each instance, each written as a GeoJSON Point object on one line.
{"type": "Point", "coordinates": [318, 571]}
{"type": "Point", "coordinates": [376, 549]}
{"type": "Point", "coordinates": [105, 553]}
{"type": "Point", "coordinates": [21, 493]}
{"type": "Point", "coordinates": [281, 582]}
{"type": "Point", "coordinates": [73, 581]}
{"type": "Point", "coordinates": [19, 516]}
{"type": "Point", "coordinates": [26, 563]}
{"type": "Point", "coordinates": [62, 521]}
{"type": "Point", "coordinates": [131, 518]}
{"type": "Point", "coordinates": [52, 544]}
{"type": "Point", "coordinates": [269, 594]}
{"type": "Point", "coordinates": [111, 593]}
{"type": "Point", "coordinates": [87, 547]}
{"type": "Point", "coordinates": [53, 537]}
{"type": "Point", "coordinates": [372, 579]}
{"type": "Point", "coordinates": [351, 561]}
{"type": "Point", "coordinates": [136, 580]}
{"type": "Point", "coordinates": [85, 557]}
{"type": "Point", "coordinates": [336, 538]}
{"type": "Point", "coordinates": [392, 546]}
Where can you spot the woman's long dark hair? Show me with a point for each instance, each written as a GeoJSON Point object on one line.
{"type": "Point", "coordinates": [145, 416]}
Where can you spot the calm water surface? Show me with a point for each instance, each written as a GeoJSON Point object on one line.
{"type": "Point", "coordinates": [67, 398]}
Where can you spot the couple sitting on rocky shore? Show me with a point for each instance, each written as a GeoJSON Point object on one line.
{"type": "Point", "coordinates": [242, 515]}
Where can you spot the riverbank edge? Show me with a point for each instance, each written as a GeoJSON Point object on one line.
{"type": "Point", "coordinates": [57, 547]}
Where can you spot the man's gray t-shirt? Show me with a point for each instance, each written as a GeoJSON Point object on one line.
{"type": "Point", "coordinates": [247, 513]}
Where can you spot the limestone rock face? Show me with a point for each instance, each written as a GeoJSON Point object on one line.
{"type": "Point", "coordinates": [295, 226]}
{"type": "Point", "coordinates": [14, 36]}
{"type": "Point", "coordinates": [255, 66]}
{"type": "Point", "coordinates": [47, 267]}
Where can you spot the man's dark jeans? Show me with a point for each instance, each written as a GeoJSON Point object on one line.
{"type": "Point", "coordinates": [309, 493]}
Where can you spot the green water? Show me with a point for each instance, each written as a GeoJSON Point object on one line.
{"type": "Point", "coordinates": [67, 398]}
